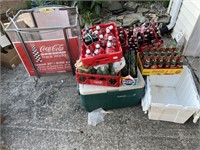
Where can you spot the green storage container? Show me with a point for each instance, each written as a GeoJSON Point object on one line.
{"type": "Point", "coordinates": [94, 97]}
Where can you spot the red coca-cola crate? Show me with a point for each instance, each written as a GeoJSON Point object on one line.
{"type": "Point", "coordinates": [157, 43]}
{"type": "Point", "coordinates": [102, 58]}
{"type": "Point", "coordinates": [96, 79]}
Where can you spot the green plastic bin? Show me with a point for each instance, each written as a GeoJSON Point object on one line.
{"type": "Point", "coordinates": [94, 97]}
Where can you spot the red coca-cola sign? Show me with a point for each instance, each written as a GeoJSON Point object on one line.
{"type": "Point", "coordinates": [54, 48]}
{"type": "Point", "coordinates": [48, 56]}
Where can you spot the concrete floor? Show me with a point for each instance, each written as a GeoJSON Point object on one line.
{"type": "Point", "coordinates": [49, 116]}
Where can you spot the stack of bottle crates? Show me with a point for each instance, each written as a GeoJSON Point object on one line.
{"type": "Point", "coordinates": [100, 53]}
{"type": "Point", "coordinates": [154, 56]}
{"type": "Point", "coordinates": [104, 69]}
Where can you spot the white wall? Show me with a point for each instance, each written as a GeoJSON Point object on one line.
{"type": "Point", "coordinates": [186, 23]}
{"type": "Point", "coordinates": [192, 47]}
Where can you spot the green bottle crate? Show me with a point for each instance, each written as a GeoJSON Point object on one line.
{"type": "Point", "coordinates": [94, 97]}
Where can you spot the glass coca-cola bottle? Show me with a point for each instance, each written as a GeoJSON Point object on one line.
{"type": "Point", "coordinates": [136, 49]}
{"type": "Point", "coordinates": [154, 63]}
{"type": "Point", "coordinates": [102, 41]}
{"type": "Point", "coordinates": [99, 48]}
{"type": "Point", "coordinates": [162, 51]}
{"type": "Point", "coordinates": [173, 62]}
{"type": "Point", "coordinates": [140, 41]}
{"type": "Point", "coordinates": [160, 62]}
{"type": "Point", "coordinates": [87, 40]}
{"type": "Point", "coordinates": [100, 30]}
{"type": "Point", "coordinates": [158, 35]}
{"type": "Point", "coordinates": [152, 37]}
{"type": "Point", "coordinates": [168, 51]}
{"type": "Point", "coordinates": [112, 40]}
{"type": "Point", "coordinates": [151, 52]}
{"type": "Point", "coordinates": [96, 33]}
{"type": "Point", "coordinates": [111, 28]}
{"type": "Point", "coordinates": [96, 52]}
{"type": "Point", "coordinates": [157, 52]}
{"type": "Point", "coordinates": [94, 36]}
{"type": "Point", "coordinates": [179, 62]}
{"type": "Point", "coordinates": [146, 63]}
{"type": "Point", "coordinates": [122, 39]}
{"type": "Point", "coordinates": [145, 53]}
{"type": "Point", "coordinates": [167, 62]}
{"type": "Point", "coordinates": [107, 34]}
{"type": "Point", "coordinates": [109, 49]}
{"type": "Point", "coordinates": [88, 53]}
{"type": "Point", "coordinates": [146, 40]}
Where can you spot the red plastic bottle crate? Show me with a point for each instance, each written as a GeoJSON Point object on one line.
{"type": "Point", "coordinates": [157, 42]}
{"type": "Point", "coordinates": [102, 58]}
{"type": "Point", "coordinates": [96, 79]}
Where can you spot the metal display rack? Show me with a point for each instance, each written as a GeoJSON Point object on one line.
{"type": "Point", "coordinates": [43, 36]}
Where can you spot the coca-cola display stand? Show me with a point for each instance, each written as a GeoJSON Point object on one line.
{"type": "Point", "coordinates": [47, 39]}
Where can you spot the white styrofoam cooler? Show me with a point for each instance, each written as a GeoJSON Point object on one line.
{"type": "Point", "coordinates": [172, 98]}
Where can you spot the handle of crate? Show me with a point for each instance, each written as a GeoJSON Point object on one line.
{"type": "Point", "coordinates": [98, 82]}
{"type": "Point", "coordinates": [101, 59]}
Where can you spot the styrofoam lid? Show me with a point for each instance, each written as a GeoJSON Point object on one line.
{"type": "Point", "coordinates": [86, 89]}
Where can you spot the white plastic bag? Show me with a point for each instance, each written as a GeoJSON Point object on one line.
{"type": "Point", "coordinates": [96, 116]}
{"type": "Point", "coordinates": [146, 100]}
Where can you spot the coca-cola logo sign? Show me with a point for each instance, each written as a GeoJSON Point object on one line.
{"type": "Point", "coordinates": [54, 48]}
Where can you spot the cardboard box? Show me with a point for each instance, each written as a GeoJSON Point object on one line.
{"type": "Point", "coordinates": [10, 59]}
{"type": "Point", "coordinates": [158, 71]}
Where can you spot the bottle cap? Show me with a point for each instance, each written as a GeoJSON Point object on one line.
{"type": "Point", "coordinates": [101, 36]}
{"type": "Point", "coordinates": [110, 38]}
{"type": "Point", "coordinates": [98, 27]}
{"type": "Point", "coordinates": [97, 46]}
{"type": "Point", "coordinates": [96, 52]}
{"type": "Point", "coordinates": [90, 30]}
{"type": "Point", "coordinates": [107, 30]}
{"type": "Point", "coordinates": [88, 51]}
{"type": "Point", "coordinates": [120, 27]}
{"type": "Point", "coordinates": [110, 27]}
{"type": "Point", "coordinates": [109, 44]}
{"type": "Point", "coordinates": [95, 32]}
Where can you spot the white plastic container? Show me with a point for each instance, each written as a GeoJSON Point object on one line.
{"type": "Point", "coordinates": [172, 98]}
